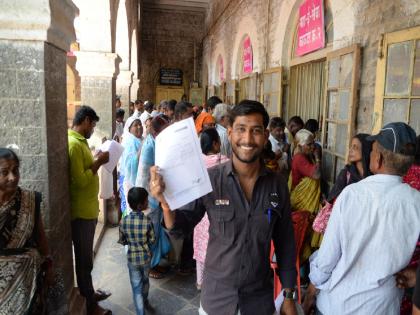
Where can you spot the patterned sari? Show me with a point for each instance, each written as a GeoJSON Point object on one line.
{"type": "Point", "coordinates": [305, 196]}
{"type": "Point", "coordinates": [20, 262]}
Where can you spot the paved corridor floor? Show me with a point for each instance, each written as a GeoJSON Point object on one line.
{"type": "Point", "coordinates": [172, 295]}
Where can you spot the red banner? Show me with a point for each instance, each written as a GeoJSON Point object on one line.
{"type": "Point", "coordinates": [311, 35]}
{"type": "Point", "coordinates": [247, 56]}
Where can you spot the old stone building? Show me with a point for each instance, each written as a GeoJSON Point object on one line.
{"type": "Point", "coordinates": [56, 55]}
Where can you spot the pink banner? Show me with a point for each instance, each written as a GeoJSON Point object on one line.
{"type": "Point", "coordinates": [221, 70]}
{"type": "Point", "coordinates": [247, 56]}
{"type": "Point", "coordinates": [311, 34]}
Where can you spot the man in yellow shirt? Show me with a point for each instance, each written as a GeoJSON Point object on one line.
{"type": "Point", "coordinates": [84, 189]}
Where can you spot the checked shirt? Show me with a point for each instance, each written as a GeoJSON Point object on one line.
{"type": "Point", "coordinates": [137, 230]}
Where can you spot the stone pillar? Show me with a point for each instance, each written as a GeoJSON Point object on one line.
{"type": "Point", "coordinates": [124, 81]}
{"type": "Point", "coordinates": [34, 38]}
{"type": "Point", "coordinates": [134, 93]}
{"type": "Point", "coordinates": [98, 71]}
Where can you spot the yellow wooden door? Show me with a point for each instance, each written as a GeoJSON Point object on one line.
{"type": "Point", "coordinates": [161, 94]}
{"type": "Point", "coordinates": [175, 94]}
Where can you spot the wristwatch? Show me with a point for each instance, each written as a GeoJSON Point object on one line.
{"type": "Point", "coordinates": [290, 295]}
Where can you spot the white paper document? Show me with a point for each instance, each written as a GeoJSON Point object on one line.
{"type": "Point", "coordinates": [178, 155]}
{"type": "Point", "coordinates": [115, 150]}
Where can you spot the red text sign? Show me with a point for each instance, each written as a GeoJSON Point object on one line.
{"type": "Point", "coordinates": [247, 56]}
{"type": "Point", "coordinates": [311, 34]}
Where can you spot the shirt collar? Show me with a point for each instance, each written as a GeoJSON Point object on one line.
{"type": "Point", "coordinates": [221, 127]}
{"type": "Point", "coordinates": [271, 138]}
{"type": "Point", "coordinates": [229, 171]}
{"type": "Point", "coordinates": [384, 178]}
{"type": "Point", "coordinates": [76, 135]}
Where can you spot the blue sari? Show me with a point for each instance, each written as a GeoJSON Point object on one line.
{"type": "Point", "coordinates": [147, 160]}
{"type": "Point", "coordinates": [129, 163]}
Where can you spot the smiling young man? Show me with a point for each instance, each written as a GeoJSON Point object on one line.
{"type": "Point", "coordinates": [249, 207]}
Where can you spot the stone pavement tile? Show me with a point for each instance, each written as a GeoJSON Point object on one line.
{"type": "Point", "coordinates": [196, 301]}
{"type": "Point", "coordinates": [165, 303]}
{"type": "Point", "coordinates": [116, 309]}
{"type": "Point", "coordinates": [183, 286]}
{"type": "Point", "coordinates": [188, 310]}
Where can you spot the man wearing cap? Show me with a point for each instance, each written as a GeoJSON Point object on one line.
{"type": "Point", "coordinates": [371, 234]}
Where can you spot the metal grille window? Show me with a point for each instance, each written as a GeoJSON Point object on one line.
{"type": "Point", "coordinates": [397, 94]}
{"type": "Point", "coordinates": [340, 108]}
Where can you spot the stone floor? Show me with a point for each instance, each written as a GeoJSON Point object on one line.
{"type": "Point", "coordinates": [172, 295]}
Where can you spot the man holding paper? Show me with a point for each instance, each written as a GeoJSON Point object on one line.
{"type": "Point", "coordinates": [248, 207]}
{"type": "Point", "coordinates": [84, 189]}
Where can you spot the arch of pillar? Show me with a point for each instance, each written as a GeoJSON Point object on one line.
{"type": "Point", "coordinates": [134, 66]}
{"type": "Point", "coordinates": [246, 27]}
{"type": "Point", "coordinates": [122, 49]}
{"type": "Point", "coordinates": [219, 52]}
{"type": "Point", "coordinates": [344, 26]}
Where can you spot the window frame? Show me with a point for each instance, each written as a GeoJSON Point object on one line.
{"type": "Point", "coordinates": [411, 34]}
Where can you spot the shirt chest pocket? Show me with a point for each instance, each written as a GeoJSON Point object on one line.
{"type": "Point", "coordinates": [222, 224]}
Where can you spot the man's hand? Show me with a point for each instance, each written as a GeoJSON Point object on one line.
{"type": "Point", "coordinates": [157, 187]}
{"type": "Point", "coordinates": [102, 157]}
{"type": "Point", "coordinates": [406, 278]}
{"type": "Point", "coordinates": [310, 299]}
{"type": "Point", "coordinates": [288, 307]}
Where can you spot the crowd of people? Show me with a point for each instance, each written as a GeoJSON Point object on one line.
{"type": "Point", "coordinates": [359, 253]}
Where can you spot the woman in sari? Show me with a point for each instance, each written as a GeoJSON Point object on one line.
{"type": "Point", "coordinates": [26, 269]}
{"type": "Point", "coordinates": [356, 170]}
{"type": "Point", "coordinates": [210, 146]}
{"type": "Point", "coordinates": [129, 161]}
{"type": "Point", "coordinates": [147, 160]}
{"type": "Point", "coordinates": [304, 181]}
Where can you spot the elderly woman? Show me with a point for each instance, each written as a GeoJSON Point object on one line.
{"type": "Point", "coordinates": [304, 181]}
{"type": "Point", "coordinates": [129, 161]}
{"type": "Point", "coordinates": [26, 268]}
{"type": "Point", "coordinates": [147, 160]}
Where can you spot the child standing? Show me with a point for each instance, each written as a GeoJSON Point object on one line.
{"type": "Point", "coordinates": [136, 231]}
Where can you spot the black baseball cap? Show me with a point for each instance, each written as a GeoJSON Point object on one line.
{"type": "Point", "coordinates": [397, 137]}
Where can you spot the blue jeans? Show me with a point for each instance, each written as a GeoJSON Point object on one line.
{"type": "Point", "coordinates": [139, 279]}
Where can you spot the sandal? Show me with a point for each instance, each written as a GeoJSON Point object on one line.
{"type": "Point", "coordinates": [161, 269]}
{"type": "Point", "coordinates": [155, 274]}
{"type": "Point", "coordinates": [101, 295]}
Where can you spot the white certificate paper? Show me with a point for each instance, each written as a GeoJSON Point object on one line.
{"type": "Point", "coordinates": [178, 155]}
{"type": "Point", "coordinates": [115, 150]}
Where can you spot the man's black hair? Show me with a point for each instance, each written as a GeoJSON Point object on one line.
{"type": "Point", "coordinates": [171, 105]}
{"type": "Point", "coordinates": [247, 107]}
{"type": "Point", "coordinates": [277, 122]}
{"type": "Point", "coordinates": [83, 113]}
{"type": "Point", "coordinates": [149, 106]}
{"type": "Point", "coordinates": [297, 120]}
{"type": "Point", "coordinates": [8, 154]}
{"type": "Point", "coordinates": [120, 112]}
{"type": "Point", "coordinates": [136, 196]}
{"type": "Point", "coordinates": [213, 101]}
{"type": "Point", "coordinates": [181, 108]}
{"type": "Point", "coordinates": [312, 125]}
{"type": "Point", "coordinates": [207, 138]}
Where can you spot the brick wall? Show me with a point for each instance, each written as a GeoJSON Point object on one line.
{"type": "Point", "coordinates": [167, 41]}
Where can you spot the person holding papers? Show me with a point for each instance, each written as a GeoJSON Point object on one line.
{"type": "Point", "coordinates": [84, 189]}
{"type": "Point", "coordinates": [248, 207]}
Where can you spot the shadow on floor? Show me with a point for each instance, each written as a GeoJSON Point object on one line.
{"type": "Point", "coordinates": [172, 295]}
